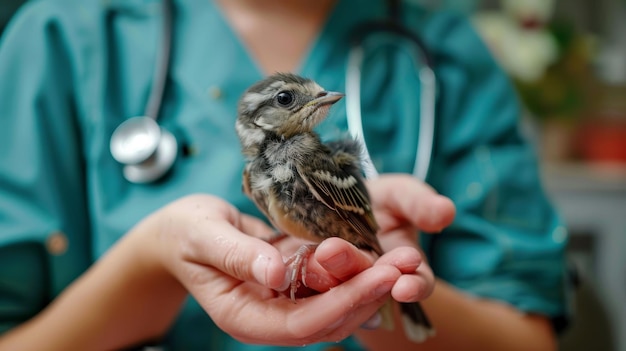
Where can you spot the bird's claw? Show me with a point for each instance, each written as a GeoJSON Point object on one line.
{"type": "Point", "coordinates": [298, 262]}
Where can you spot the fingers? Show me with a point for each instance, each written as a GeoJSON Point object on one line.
{"type": "Point", "coordinates": [222, 267]}
{"type": "Point", "coordinates": [417, 281]}
{"type": "Point", "coordinates": [237, 254]}
{"type": "Point", "coordinates": [402, 196]}
{"type": "Point", "coordinates": [336, 260]}
{"type": "Point", "coordinates": [222, 264]}
{"type": "Point", "coordinates": [344, 308]}
{"type": "Point", "coordinates": [330, 316]}
{"type": "Point", "coordinates": [212, 233]}
{"type": "Point", "coordinates": [405, 258]}
{"type": "Point", "coordinates": [416, 286]}
{"type": "Point", "coordinates": [341, 259]}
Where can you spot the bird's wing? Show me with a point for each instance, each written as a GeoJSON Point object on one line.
{"type": "Point", "coordinates": [344, 193]}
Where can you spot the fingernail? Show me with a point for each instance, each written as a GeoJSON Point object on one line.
{"type": "Point", "coordinates": [259, 269]}
{"type": "Point", "coordinates": [373, 323]}
{"type": "Point", "coordinates": [286, 279]}
{"type": "Point", "coordinates": [382, 289]}
{"type": "Point", "coordinates": [336, 261]}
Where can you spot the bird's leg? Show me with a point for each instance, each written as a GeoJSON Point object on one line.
{"type": "Point", "coordinates": [298, 262]}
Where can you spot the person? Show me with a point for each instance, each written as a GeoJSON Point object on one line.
{"type": "Point", "coordinates": [92, 261]}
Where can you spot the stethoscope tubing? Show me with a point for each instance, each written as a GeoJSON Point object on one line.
{"type": "Point", "coordinates": [146, 170]}
{"type": "Point", "coordinates": [161, 67]}
{"type": "Point", "coordinates": [428, 92]}
{"type": "Point", "coordinates": [145, 149]}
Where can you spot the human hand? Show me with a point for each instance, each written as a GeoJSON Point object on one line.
{"type": "Point", "coordinates": [134, 291]}
{"type": "Point", "coordinates": [405, 206]}
{"type": "Point", "coordinates": [211, 249]}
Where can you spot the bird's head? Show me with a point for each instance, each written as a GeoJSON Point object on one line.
{"type": "Point", "coordinates": [283, 104]}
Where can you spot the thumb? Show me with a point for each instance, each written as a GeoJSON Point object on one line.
{"type": "Point", "coordinates": [220, 245]}
{"type": "Point", "coordinates": [213, 237]}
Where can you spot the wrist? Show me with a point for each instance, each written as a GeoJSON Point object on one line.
{"type": "Point", "coordinates": [149, 296]}
{"type": "Point", "coordinates": [153, 249]}
{"type": "Point", "coordinates": [125, 298]}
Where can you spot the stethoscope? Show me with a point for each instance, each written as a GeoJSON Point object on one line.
{"type": "Point", "coordinates": [148, 151]}
{"type": "Point", "coordinates": [426, 75]}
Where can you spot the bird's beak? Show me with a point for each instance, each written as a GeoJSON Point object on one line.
{"type": "Point", "coordinates": [326, 98]}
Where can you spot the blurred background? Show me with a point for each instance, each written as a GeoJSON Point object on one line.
{"type": "Point", "coordinates": [567, 59]}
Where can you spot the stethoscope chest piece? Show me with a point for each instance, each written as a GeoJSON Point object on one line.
{"type": "Point", "coordinates": [146, 150]}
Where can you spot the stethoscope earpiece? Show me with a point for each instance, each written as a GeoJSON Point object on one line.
{"type": "Point", "coordinates": [146, 150]}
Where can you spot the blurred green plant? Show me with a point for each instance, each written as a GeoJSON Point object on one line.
{"type": "Point", "coordinates": [561, 92]}
{"type": "Point", "coordinates": [548, 59]}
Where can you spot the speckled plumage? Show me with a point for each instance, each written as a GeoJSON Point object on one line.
{"type": "Point", "coordinates": [306, 188]}
{"type": "Point", "coordinates": [295, 179]}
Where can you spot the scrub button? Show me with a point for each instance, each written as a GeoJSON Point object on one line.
{"type": "Point", "coordinates": [57, 243]}
{"type": "Point", "coordinates": [474, 190]}
{"type": "Point", "coordinates": [559, 234]}
{"type": "Point", "coordinates": [215, 92]}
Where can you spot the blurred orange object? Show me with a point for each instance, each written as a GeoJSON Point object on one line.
{"type": "Point", "coordinates": [603, 139]}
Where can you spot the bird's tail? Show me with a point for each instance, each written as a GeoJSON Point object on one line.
{"type": "Point", "coordinates": [417, 327]}
{"type": "Point", "coordinates": [386, 314]}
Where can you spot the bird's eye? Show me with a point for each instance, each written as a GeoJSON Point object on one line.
{"type": "Point", "coordinates": [284, 98]}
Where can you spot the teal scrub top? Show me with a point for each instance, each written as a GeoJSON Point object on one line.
{"type": "Point", "coordinates": [72, 71]}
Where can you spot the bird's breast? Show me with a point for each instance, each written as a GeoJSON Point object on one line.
{"type": "Point", "coordinates": [282, 173]}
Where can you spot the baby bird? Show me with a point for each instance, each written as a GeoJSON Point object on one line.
{"type": "Point", "coordinates": [306, 188]}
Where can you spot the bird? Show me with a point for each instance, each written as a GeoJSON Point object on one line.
{"type": "Point", "coordinates": [307, 188]}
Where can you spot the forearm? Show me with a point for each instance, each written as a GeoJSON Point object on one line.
{"type": "Point", "coordinates": [466, 323]}
{"type": "Point", "coordinates": [125, 298]}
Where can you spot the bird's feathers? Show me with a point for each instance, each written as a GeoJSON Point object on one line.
{"type": "Point", "coordinates": [345, 194]}
{"type": "Point", "coordinates": [304, 187]}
